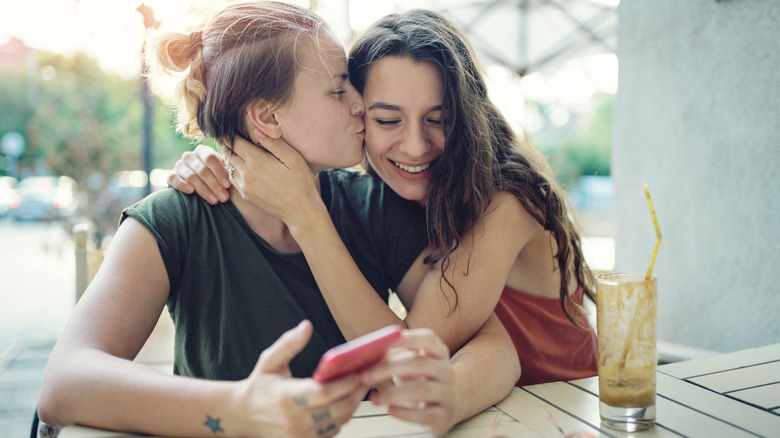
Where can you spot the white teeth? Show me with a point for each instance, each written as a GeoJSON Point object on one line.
{"type": "Point", "coordinates": [410, 169]}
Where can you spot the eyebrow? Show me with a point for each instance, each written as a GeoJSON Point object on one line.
{"type": "Point", "coordinates": [342, 76]}
{"type": "Point", "coordinates": [390, 107]}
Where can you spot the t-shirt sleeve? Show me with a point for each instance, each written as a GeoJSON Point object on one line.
{"type": "Point", "coordinates": [165, 215]}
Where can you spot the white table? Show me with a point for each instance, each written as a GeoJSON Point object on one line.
{"type": "Point", "coordinates": [729, 395]}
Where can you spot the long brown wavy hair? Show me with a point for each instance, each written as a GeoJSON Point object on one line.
{"type": "Point", "coordinates": [483, 156]}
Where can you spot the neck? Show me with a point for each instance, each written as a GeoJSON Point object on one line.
{"type": "Point", "coordinates": [264, 224]}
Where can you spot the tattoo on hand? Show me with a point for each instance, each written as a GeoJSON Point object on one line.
{"type": "Point", "coordinates": [299, 400]}
{"type": "Point", "coordinates": [213, 424]}
{"type": "Point", "coordinates": [320, 416]}
{"type": "Point", "coordinates": [326, 430]}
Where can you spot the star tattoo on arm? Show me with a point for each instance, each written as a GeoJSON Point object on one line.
{"type": "Point", "coordinates": [213, 424]}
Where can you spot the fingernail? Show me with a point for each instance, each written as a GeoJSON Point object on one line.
{"type": "Point", "coordinates": [225, 183]}
{"type": "Point", "coordinates": [259, 134]}
{"type": "Point", "coordinates": [212, 200]}
{"type": "Point", "coordinates": [223, 196]}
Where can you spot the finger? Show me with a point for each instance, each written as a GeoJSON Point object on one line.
{"type": "Point", "coordinates": [249, 153]}
{"type": "Point", "coordinates": [279, 149]}
{"type": "Point", "coordinates": [339, 410]}
{"type": "Point", "coordinates": [413, 367]}
{"type": "Point", "coordinates": [340, 413]}
{"type": "Point", "coordinates": [321, 421]}
{"type": "Point", "coordinates": [276, 147]}
{"type": "Point", "coordinates": [248, 159]}
{"type": "Point", "coordinates": [209, 172]}
{"type": "Point", "coordinates": [248, 156]}
{"type": "Point", "coordinates": [184, 171]}
{"type": "Point", "coordinates": [412, 394]}
{"type": "Point", "coordinates": [429, 415]}
{"type": "Point", "coordinates": [277, 357]}
{"type": "Point", "coordinates": [214, 165]}
{"type": "Point", "coordinates": [328, 430]}
{"type": "Point", "coordinates": [336, 390]}
{"type": "Point", "coordinates": [424, 340]}
{"type": "Point", "coordinates": [241, 150]}
{"type": "Point", "coordinates": [180, 184]}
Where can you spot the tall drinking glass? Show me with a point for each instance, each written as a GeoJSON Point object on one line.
{"type": "Point", "coordinates": [626, 320]}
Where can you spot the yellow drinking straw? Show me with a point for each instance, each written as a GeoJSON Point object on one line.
{"type": "Point", "coordinates": [657, 233]}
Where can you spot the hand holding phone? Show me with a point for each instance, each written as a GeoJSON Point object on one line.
{"type": "Point", "coordinates": [356, 355]}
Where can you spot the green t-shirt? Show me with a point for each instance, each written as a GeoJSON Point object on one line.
{"type": "Point", "coordinates": [232, 295]}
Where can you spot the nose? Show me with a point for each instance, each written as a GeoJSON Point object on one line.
{"type": "Point", "coordinates": [414, 142]}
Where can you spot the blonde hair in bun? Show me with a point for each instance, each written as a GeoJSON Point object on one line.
{"type": "Point", "coordinates": [178, 53]}
{"type": "Point", "coordinates": [246, 52]}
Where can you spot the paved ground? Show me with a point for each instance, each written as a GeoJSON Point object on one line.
{"type": "Point", "coordinates": [36, 296]}
{"type": "Point", "coordinates": [20, 383]}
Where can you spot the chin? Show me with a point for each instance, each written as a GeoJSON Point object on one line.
{"type": "Point", "coordinates": [412, 195]}
{"type": "Point", "coordinates": [353, 163]}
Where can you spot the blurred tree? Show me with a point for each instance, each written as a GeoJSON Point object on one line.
{"type": "Point", "coordinates": [88, 121]}
{"type": "Point", "coordinates": [583, 147]}
{"type": "Point", "coordinates": [16, 108]}
{"type": "Point", "coordinates": [84, 123]}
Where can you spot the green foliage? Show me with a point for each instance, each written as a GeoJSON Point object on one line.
{"type": "Point", "coordinates": [85, 123]}
{"type": "Point", "coordinates": [82, 120]}
{"type": "Point", "coordinates": [583, 147]}
{"type": "Point", "coordinates": [16, 109]}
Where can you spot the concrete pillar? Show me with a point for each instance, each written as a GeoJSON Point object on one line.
{"type": "Point", "coordinates": [697, 118]}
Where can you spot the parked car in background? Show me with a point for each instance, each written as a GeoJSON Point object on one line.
{"type": "Point", "coordinates": [8, 195]}
{"type": "Point", "coordinates": [45, 198]}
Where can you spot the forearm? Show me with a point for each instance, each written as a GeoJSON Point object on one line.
{"type": "Point", "coordinates": [355, 305]}
{"type": "Point", "coordinates": [486, 369]}
{"type": "Point", "coordinates": [92, 388]}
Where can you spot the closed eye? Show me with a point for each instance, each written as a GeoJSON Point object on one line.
{"type": "Point", "coordinates": [386, 122]}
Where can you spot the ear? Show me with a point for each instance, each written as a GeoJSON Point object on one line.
{"type": "Point", "coordinates": [261, 115]}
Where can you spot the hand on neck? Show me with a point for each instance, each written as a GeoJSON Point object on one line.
{"type": "Point", "coordinates": [269, 227]}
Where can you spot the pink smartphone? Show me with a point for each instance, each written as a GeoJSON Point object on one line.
{"type": "Point", "coordinates": [356, 355]}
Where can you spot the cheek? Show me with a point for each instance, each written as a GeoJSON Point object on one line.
{"type": "Point", "coordinates": [372, 157]}
{"type": "Point", "coordinates": [440, 147]}
{"type": "Point", "coordinates": [438, 140]}
{"type": "Point", "coordinates": [338, 108]}
{"type": "Point", "coordinates": [373, 144]}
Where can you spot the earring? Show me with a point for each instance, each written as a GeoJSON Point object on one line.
{"type": "Point", "coordinates": [358, 111]}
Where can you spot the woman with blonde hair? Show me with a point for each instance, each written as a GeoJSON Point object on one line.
{"type": "Point", "coordinates": [250, 322]}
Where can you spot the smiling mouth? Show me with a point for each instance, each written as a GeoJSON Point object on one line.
{"type": "Point", "coordinates": [412, 169]}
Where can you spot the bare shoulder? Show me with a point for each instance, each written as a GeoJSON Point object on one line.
{"type": "Point", "coordinates": [506, 208]}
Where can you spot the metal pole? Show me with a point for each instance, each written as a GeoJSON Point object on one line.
{"type": "Point", "coordinates": [146, 135]}
{"type": "Point", "coordinates": [146, 98]}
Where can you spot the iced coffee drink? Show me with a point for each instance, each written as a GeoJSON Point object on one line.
{"type": "Point", "coordinates": [626, 316]}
